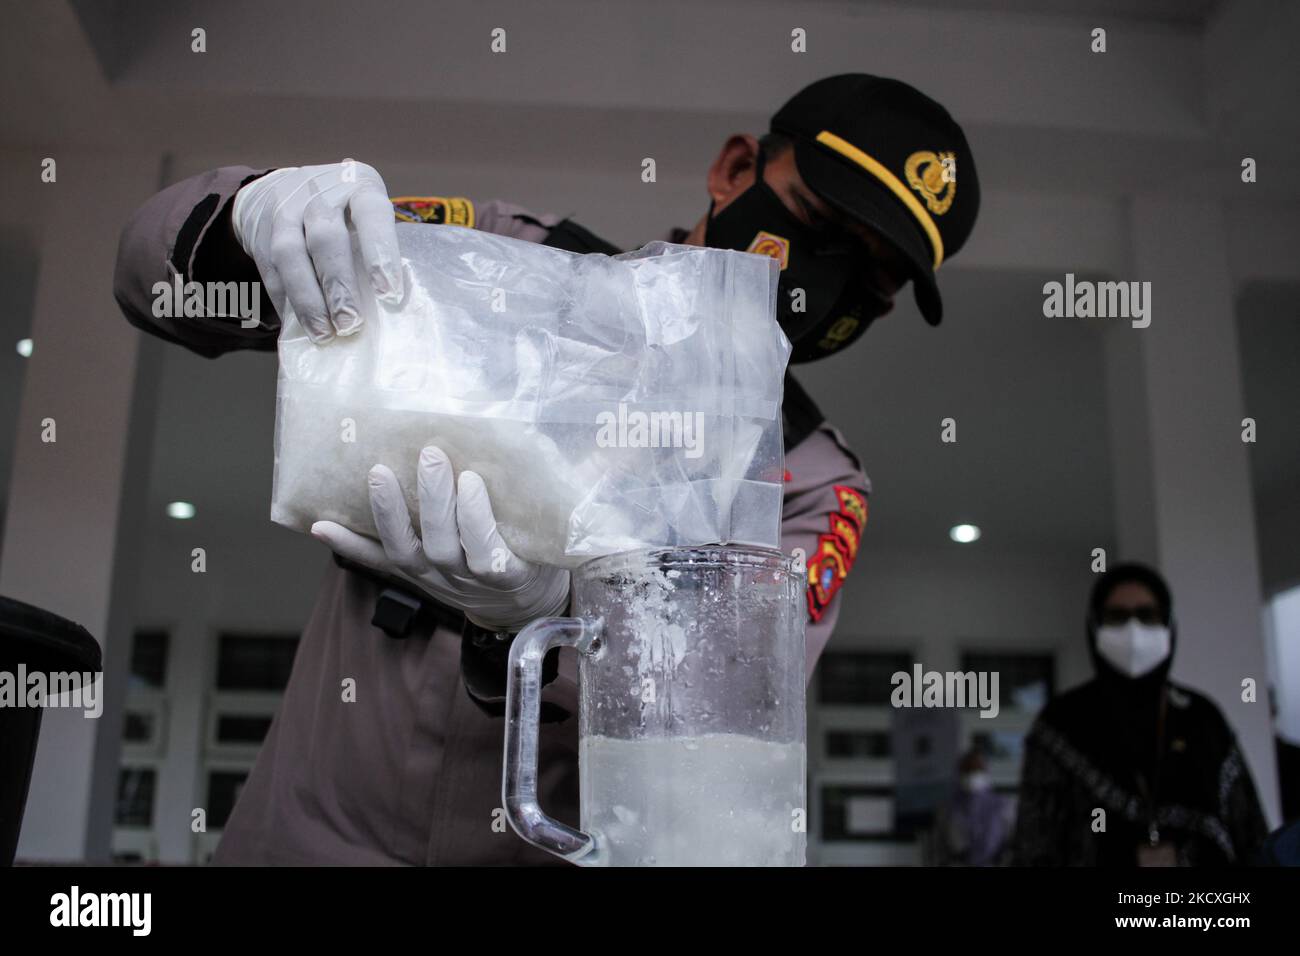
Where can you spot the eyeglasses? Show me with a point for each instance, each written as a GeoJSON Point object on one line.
{"type": "Point", "coordinates": [1147, 614]}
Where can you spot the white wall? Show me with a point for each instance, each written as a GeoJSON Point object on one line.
{"type": "Point", "coordinates": [1285, 637]}
{"type": "Point", "coordinates": [944, 600]}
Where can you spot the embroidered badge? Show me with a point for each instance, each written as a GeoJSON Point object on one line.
{"type": "Point", "coordinates": [769, 244]}
{"type": "Point", "coordinates": [924, 171]}
{"type": "Point", "coordinates": [826, 573]}
{"type": "Point", "coordinates": [844, 529]}
{"type": "Point", "coordinates": [840, 332]}
{"type": "Point", "coordinates": [854, 504]}
{"type": "Point", "coordinates": [440, 210]}
{"type": "Point", "coordinates": [836, 551]}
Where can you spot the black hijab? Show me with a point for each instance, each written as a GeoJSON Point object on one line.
{"type": "Point", "coordinates": [1132, 572]}
{"type": "Point", "coordinates": [1127, 724]}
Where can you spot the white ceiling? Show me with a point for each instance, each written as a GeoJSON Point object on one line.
{"type": "Point", "coordinates": [1188, 12]}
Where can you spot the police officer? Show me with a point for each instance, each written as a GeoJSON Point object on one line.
{"type": "Point", "coordinates": [861, 185]}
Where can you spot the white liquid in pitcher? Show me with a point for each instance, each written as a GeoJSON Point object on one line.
{"type": "Point", "coordinates": [714, 800]}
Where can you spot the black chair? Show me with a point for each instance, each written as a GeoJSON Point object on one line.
{"type": "Point", "coordinates": [40, 642]}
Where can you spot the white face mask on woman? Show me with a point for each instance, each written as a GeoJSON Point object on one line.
{"type": "Point", "coordinates": [1132, 648]}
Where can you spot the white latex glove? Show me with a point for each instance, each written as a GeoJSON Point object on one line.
{"type": "Point", "coordinates": [294, 222]}
{"type": "Point", "coordinates": [458, 555]}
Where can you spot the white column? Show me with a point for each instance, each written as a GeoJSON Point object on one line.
{"type": "Point", "coordinates": [1204, 519]}
{"type": "Point", "coordinates": [62, 524]}
{"type": "Point", "coordinates": [1130, 456]}
{"type": "Point", "coordinates": [181, 785]}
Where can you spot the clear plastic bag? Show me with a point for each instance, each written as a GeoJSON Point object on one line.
{"type": "Point", "coordinates": [609, 403]}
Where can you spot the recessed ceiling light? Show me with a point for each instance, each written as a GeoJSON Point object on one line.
{"type": "Point", "coordinates": [964, 533]}
{"type": "Point", "coordinates": [25, 348]}
{"type": "Point", "coordinates": [180, 509]}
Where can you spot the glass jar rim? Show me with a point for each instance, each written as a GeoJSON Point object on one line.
{"type": "Point", "coordinates": [692, 556]}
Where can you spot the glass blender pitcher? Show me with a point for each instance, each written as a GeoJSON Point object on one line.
{"type": "Point", "coordinates": [691, 715]}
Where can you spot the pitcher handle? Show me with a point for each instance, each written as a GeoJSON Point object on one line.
{"type": "Point", "coordinates": [523, 709]}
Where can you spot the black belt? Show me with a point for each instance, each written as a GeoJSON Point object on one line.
{"type": "Point", "coordinates": [402, 612]}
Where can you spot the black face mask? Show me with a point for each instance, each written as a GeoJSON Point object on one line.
{"type": "Point", "coordinates": [838, 301]}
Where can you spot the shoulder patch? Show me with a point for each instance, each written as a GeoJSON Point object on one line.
{"type": "Point", "coordinates": [852, 503]}
{"type": "Point", "coordinates": [837, 550]}
{"type": "Point", "coordinates": [440, 210]}
{"type": "Point", "coordinates": [847, 532]}
{"type": "Point", "coordinates": [826, 573]}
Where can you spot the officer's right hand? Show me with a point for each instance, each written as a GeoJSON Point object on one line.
{"type": "Point", "coordinates": [294, 222]}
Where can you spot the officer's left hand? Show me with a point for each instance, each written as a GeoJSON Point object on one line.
{"type": "Point", "coordinates": [457, 556]}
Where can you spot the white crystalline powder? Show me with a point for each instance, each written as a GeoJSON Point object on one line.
{"type": "Point", "coordinates": [505, 353]}
{"type": "Point", "coordinates": [332, 485]}
{"type": "Point", "coordinates": [711, 800]}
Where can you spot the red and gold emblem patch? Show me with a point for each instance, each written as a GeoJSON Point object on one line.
{"type": "Point", "coordinates": [854, 504]}
{"type": "Point", "coordinates": [844, 529]}
{"type": "Point", "coordinates": [439, 210]}
{"type": "Point", "coordinates": [826, 572]}
{"type": "Point", "coordinates": [836, 551]}
{"type": "Point", "coordinates": [769, 244]}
